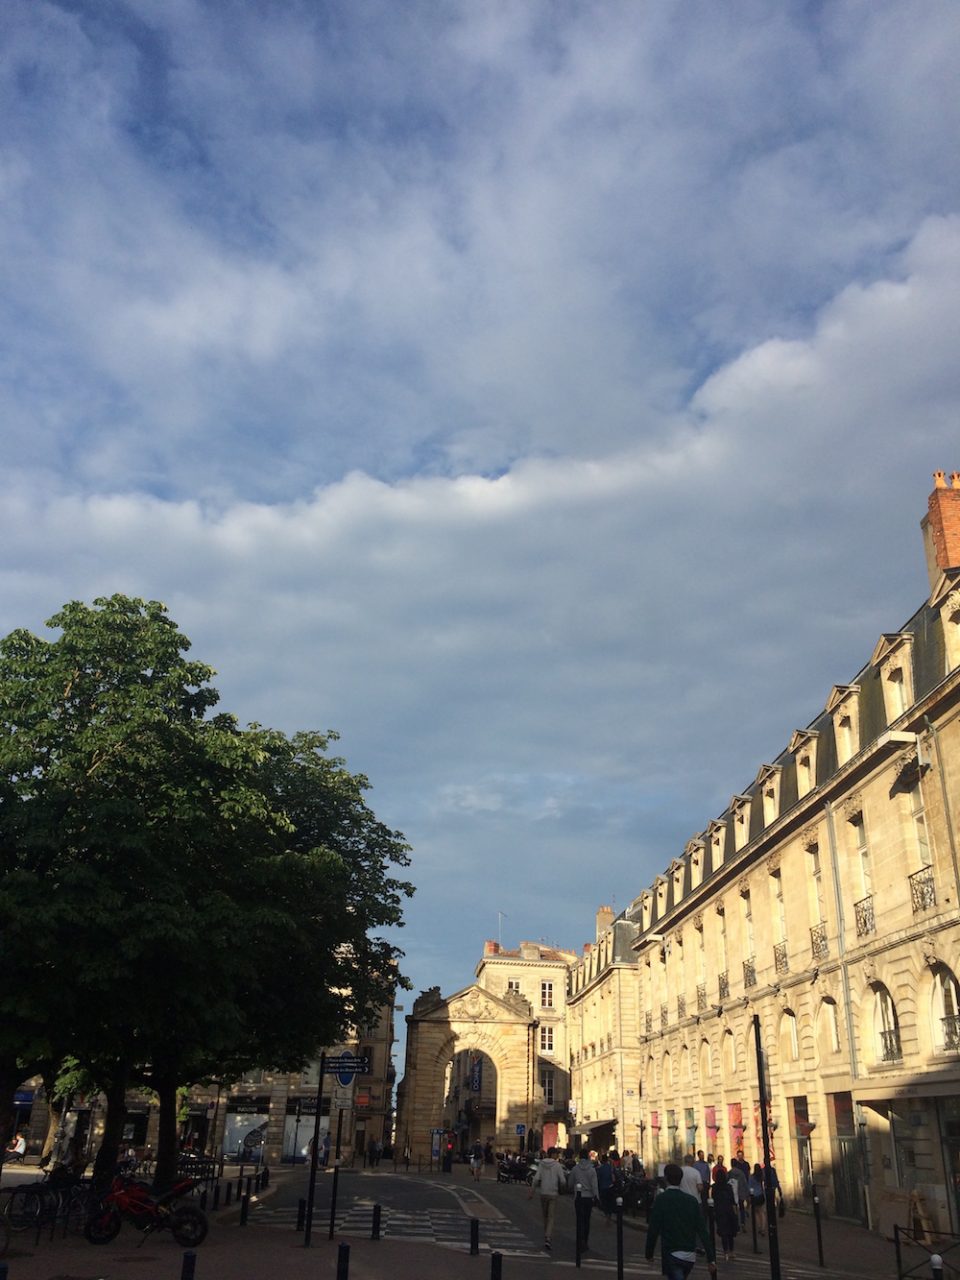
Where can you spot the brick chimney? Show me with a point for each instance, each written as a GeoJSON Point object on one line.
{"type": "Point", "coordinates": [491, 948]}
{"type": "Point", "coordinates": [604, 920]}
{"type": "Point", "coordinates": [941, 526]}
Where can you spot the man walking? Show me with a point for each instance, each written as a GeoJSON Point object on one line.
{"type": "Point", "coordinates": [583, 1184]}
{"type": "Point", "coordinates": [548, 1179]}
{"type": "Point", "coordinates": [676, 1222]}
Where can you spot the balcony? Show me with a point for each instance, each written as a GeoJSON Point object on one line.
{"type": "Point", "coordinates": [780, 961]}
{"type": "Point", "coordinates": [890, 1050]}
{"type": "Point", "coordinates": [723, 985]}
{"type": "Point", "coordinates": [923, 892]}
{"type": "Point", "coordinates": [648, 1022]}
{"type": "Point", "coordinates": [819, 947]}
{"type": "Point", "coordinates": [664, 1018]}
{"type": "Point", "coordinates": [701, 996]}
{"type": "Point", "coordinates": [951, 1031]}
{"type": "Point", "coordinates": [681, 1007]}
{"type": "Point", "coordinates": [863, 913]}
{"type": "Point", "coordinates": [750, 972]}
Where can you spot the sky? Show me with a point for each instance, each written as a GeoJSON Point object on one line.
{"type": "Point", "coordinates": [543, 395]}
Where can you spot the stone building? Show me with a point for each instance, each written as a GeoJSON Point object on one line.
{"type": "Point", "coordinates": [603, 1038]}
{"type": "Point", "coordinates": [824, 900]}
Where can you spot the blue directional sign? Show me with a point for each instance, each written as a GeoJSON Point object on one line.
{"type": "Point", "coordinates": [349, 1065]}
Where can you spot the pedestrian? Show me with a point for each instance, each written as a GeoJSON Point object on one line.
{"type": "Point", "coordinates": [675, 1220]}
{"type": "Point", "coordinates": [548, 1180]}
{"type": "Point", "coordinates": [725, 1212]}
{"type": "Point", "coordinates": [717, 1168]}
{"type": "Point", "coordinates": [605, 1182]}
{"type": "Point", "coordinates": [758, 1198]}
{"type": "Point", "coordinates": [691, 1183]}
{"type": "Point", "coordinates": [325, 1149]}
{"type": "Point", "coordinates": [583, 1184]}
{"type": "Point", "coordinates": [476, 1160]}
{"type": "Point", "coordinates": [738, 1185]}
{"type": "Point", "coordinates": [702, 1168]}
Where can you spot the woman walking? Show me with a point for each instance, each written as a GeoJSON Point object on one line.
{"type": "Point", "coordinates": [725, 1212]}
{"type": "Point", "coordinates": [758, 1199]}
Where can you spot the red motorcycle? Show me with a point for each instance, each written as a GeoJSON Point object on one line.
{"type": "Point", "coordinates": [135, 1203]}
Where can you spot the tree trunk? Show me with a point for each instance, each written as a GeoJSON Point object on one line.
{"type": "Point", "coordinates": [109, 1153]}
{"type": "Point", "coordinates": [167, 1148]}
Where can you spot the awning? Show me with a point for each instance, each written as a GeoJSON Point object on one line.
{"type": "Point", "coordinates": [588, 1126]}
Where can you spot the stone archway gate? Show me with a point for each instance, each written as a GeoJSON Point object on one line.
{"type": "Point", "coordinates": [503, 1028]}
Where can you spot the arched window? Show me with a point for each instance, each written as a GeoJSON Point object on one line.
{"type": "Point", "coordinates": [886, 1026]}
{"type": "Point", "coordinates": [789, 1040]}
{"type": "Point", "coordinates": [706, 1064]}
{"type": "Point", "coordinates": [945, 1010]}
{"type": "Point", "coordinates": [828, 1027]}
{"type": "Point", "coordinates": [729, 1055]}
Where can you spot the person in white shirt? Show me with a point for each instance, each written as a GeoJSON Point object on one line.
{"type": "Point", "coordinates": [691, 1182]}
{"type": "Point", "coordinates": [548, 1179]}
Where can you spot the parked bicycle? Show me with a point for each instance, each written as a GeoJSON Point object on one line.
{"type": "Point", "coordinates": [62, 1197]}
{"type": "Point", "coordinates": [133, 1202]}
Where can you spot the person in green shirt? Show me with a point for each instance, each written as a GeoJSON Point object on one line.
{"type": "Point", "coordinates": [675, 1221]}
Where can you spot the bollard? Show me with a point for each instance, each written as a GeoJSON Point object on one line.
{"type": "Point", "coordinates": [250, 1185]}
{"type": "Point", "coordinates": [474, 1237]}
{"type": "Point", "coordinates": [301, 1214]}
{"type": "Point", "coordinates": [203, 1200]}
{"type": "Point", "coordinates": [496, 1266]}
{"type": "Point", "coordinates": [257, 1182]}
{"type": "Point", "coordinates": [619, 1237]}
{"type": "Point", "coordinates": [244, 1209]}
{"type": "Point", "coordinates": [333, 1197]}
{"type": "Point", "coordinates": [753, 1225]}
{"type": "Point", "coordinates": [579, 1222]}
{"type": "Point", "coordinates": [216, 1195]}
{"type": "Point", "coordinates": [343, 1261]}
{"type": "Point", "coordinates": [228, 1195]}
{"type": "Point", "coordinates": [936, 1266]}
{"type": "Point", "coordinates": [220, 1168]}
{"type": "Point", "coordinates": [816, 1218]}
{"type": "Point", "coordinates": [265, 1176]}
{"type": "Point", "coordinates": [375, 1228]}
{"type": "Point", "coordinates": [189, 1268]}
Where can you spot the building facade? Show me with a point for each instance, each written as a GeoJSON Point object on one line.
{"type": "Point", "coordinates": [816, 918]}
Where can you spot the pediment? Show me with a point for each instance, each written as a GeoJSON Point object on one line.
{"type": "Point", "coordinates": [889, 643]}
{"type": "Point", "coordinates": [841, 693]}
{"type": "Point", "coordinates": [768, 773]}
{"type": "Point", "coordinates": [800, 739]}
{"type": "Point", "coordinates": [474, 1004]}
{"type": "Point", "coordinates": [945, 584]}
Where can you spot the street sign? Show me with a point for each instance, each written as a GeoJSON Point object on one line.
{"type": "Point", "coordinates": [436, 1131]}
{"type": "Point", "coordinates": [339, 1104]}
{"type": "Point", "coordinates": [521, 1130]}
{"type": "Point", "coordinates": [348, 1065]}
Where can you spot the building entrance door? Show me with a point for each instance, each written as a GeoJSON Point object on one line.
{"type": "Point", "coordinates": [846, 1179]}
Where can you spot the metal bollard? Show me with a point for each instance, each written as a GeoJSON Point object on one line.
{"type": "Point", "coordinates": [474, 1237]}
{"type": "Point", "coordinates": [936, 1266]}
{"type": "Point", "coordinates": [228, 1195]}
{"type": "Point", "coordinates": [256, 1182]}
{"type": "Point", "coordinates": [250, 1185]}
{"type": "Point", "coordinates": [496, 1266]}
{"type": "Point", "coordinates": [189, 1268]}
{"type": "Point", "coordinates": [579, 1221]}
{"type": "Point", "coordinates": [216, 1195]}
{"type": "Point", "coordinates": [265, 1176]}
{"type": "Point", "coordinates": [244, 1209]}
{"type": "Point", "coordinates": [343, 1261]}
{"type": "Point", "coordinates": [375, 1227]}
{"type": "Point", "coordinates": [753, 1225]}
{"type": "Point", "coordinates": [816, 1218]}
{"type": "Point", "coordinates": [301, 1214]}
{"type": "Point", "coordinates": [619, 1237]}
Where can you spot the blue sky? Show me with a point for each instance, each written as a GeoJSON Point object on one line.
{"type": "Point", "coordinates": [543, 395]}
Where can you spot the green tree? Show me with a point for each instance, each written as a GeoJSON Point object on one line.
{"type": "Point", "coordinates": [197, 897]}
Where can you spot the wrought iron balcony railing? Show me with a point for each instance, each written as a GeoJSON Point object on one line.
{"type": "Point", "coordinates": [923, 891]}
{"type": "Point", "coordinates": [648, 1022]}
{"type": "Point", "coordinates": [863, 912]}
{"type": "Point", "coordinates": [890, 1050]}
{"type": "Point", "coordinates": [819, 947]}
{"type": "Point", "coordinates": [664, 1015]}
{"type": "Point", "coordinates": [723, 985]}
{"type": "Point", "coordinates": [780, 960]}
{"type": "Point", "coordinates": [681, 1006]}
{"type": "Point", "coordinates": [951, 1031]}
{"type": "Point", "coordinates": [750, 972]}
{"type": "Point", "coordinates": [701, 996]}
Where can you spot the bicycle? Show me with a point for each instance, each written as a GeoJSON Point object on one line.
{"type": "Point", "coordinates": [61, 1197]}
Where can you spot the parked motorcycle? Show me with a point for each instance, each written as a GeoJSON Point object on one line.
{"type": "Point", "coordinates": [135, 1203]}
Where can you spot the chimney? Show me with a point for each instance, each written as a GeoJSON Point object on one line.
{"type": "Point", "coordinates": [604, 920]}
{"type": "Point", "coordinates": [491, 948]}
{"type": "Point", "coordinates": [941, 526]}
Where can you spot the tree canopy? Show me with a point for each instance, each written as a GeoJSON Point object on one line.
{"type": "Point", "coordinates": [180, 897]}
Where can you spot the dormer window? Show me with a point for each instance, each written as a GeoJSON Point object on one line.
{"type": "Point", "coordinates": [740, 811]}
{"type": "Point", "coordinates": [803, 748]}
{"type": "Point", "coordinates": [768, 785]}
{"type": "Point", "coordinates": [844, 708]}
{"type": "Point", "coordinates": [946, 598]}
{"type": "Point", "coordinates": [646, 903]}
{"type": "Point", "coordinates": [717, 836]}
{"type": "Point", "coordinates": [676, 871]}
{"type": "Point", "coordinates": [695, 852]}
{"type": "Point", "coordinates": [661, 887]}
{"type": "Point", "coordinates": [893, 658]}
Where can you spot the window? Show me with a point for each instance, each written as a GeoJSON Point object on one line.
{"type": "Point", "coordinates": [789, 1040]}
{"type": "Point", "coordinates": [945, 1011]}
{"type": "Point", "coordinates": [740, 809]}
{"type": "Point", "coordinates": [546, 1039]}
{"type": "Point", "coordinates": [803, 747]}
{"type": "Point", "coordinates": [828, 1027]}
{"type": "Point", "coordinates": [844, 708]}
{"type": "Point", "coordinates": [546, 995]}
{"type": "Point", "coordinates": [768, 784]}
{"type": "Point", "coordinates": [548, 1084]}
{"type": "Point", "coordinates": [886, 1026]}
{"type": "Point", "coordinates": [513, 984]}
